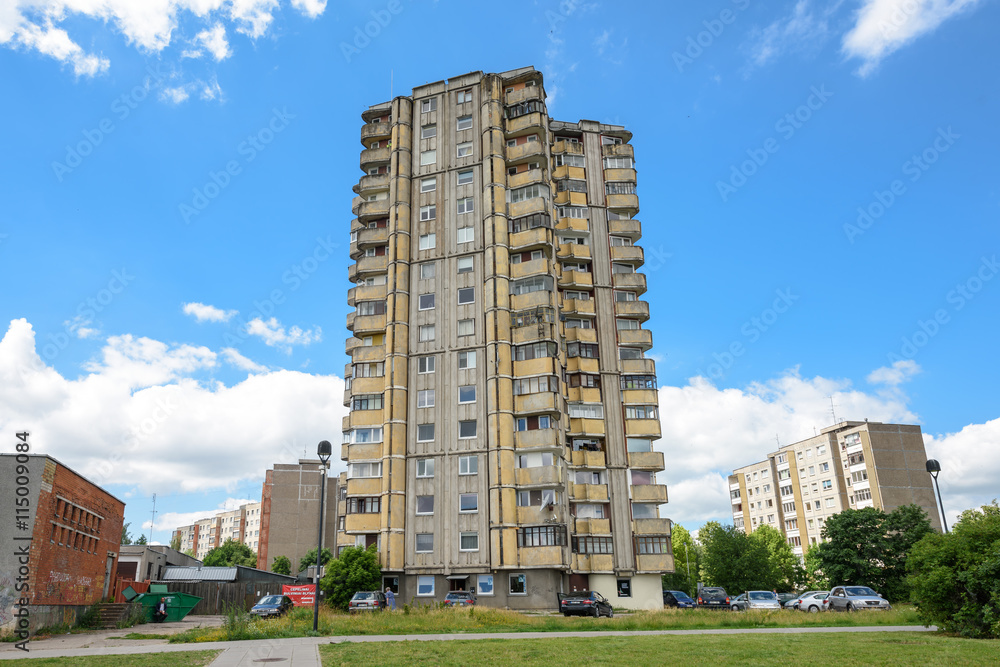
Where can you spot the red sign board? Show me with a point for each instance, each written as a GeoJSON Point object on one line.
{"type": "Point", "coordinates": [302, 596]}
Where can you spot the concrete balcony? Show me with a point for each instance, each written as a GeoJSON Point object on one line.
{"type": "Point", "coordinates": [567, 198]}
{"type": "Point", "coordinates": [618, 150]}
{"type": "Point", "coordinates": [541, 438]}
{"type": "Point", "coordinates": [530, 239]}
{"type": "Point", "coordinates": [368, 451]}
{"type": "Point", "coordinates": [534, 332]}
{"type": "Point", "coordinates": [523, 124]}
{"type": "Point", "coordinates": [540, 476]}
{"type": "Point", "coordinates": [649, 493]}
{"type": "Point", "coordinates": [364, 486]}
{"type": "Point", "coordinates": [627, 202]}
{"type": "Point", "coordinates": [525, 178]}
{"type": "Point", "coordinates": [586, 427]}
{"type": "Point", "coordinates": [651, 526]}
{"type": "Point", "coordinates": [532, 149]}
{"type": "Point", "coordinates": [582, 365]}
{"type": "Point", "coordinates": [593, 562]}
{"type": "Point", "coordinates": [371, 210]}
{"type": "Point", "coordinates": [363, 325]}
{"type": "Point", "coordinates": [657, 563]}
{"type": "Point", "coordinates": [576, 280]}
{"type": "Point", "coordinates": [524, 94]}
{"type": "Point", "coordinates": [646, 460]}
{"type": "Point", "coordinates": [372, 131]}
{"type": "Point", "coordinates": [630, 228]}
{"type": "Point", "coordinates": [583, 394]}
{"type": "Point", "coordinates": [638, 366]}
{"type": "Point", "coordinates": [531, 268]}
{"type": "Point", "coordinates": [362, 523]}
{"type": "Point", "coordinates": [634, 282]}
{"type": "Point", "coordinates": [618, 175]}
{"type": "Point", "coordinates": [532, 300]}
{"type": "Point", "coordinates": [584, 307]}
{"type": "Point", "coordinates": [344, 451]}
{"type": "Point", "coordinates": [593, 526]}
{"type": "Point", "coordinates": [361, 386]}
{"type": "Point", "coordinates": [541, 556]}
{"type": "Point", "coordinates": [581, 225]}
{"type": "Point", "coordinates": [576, 334]}
{"type": "Point", "coordinates": [632, 309]}
{"type": "Point", "coordinates": [363, 418]}
{"type": "Point", "coordinates": [639, 396]}
{"type": "Point", "coordinates": [540, 403]}
{"type": "Point", "coordinates": [371, 184]}
{"type": "Point", "coordinates": [365, 353]}
{"type": "Point", "coordinates": [535, 514]}
{"type": "Point", "coordinates": [627, 254]}
{"type": "Point", "coordinates": [567, 147]}
{"type": "Point", "coordinates": [642, 428]}
{"type": "Point", "coordinates": [641, 338]}
{"type": "Point", "coordinates": [566, 171]}
{"type": "Point", "coordinates": [574, 251]}
{"type": "Point", "coordinates": [585, 459]}
{"type": "Point", "coordinates": [366, 266]}
{"type": "Point", "coordinates": [528, 207]}
{"type": "Point", "coordinates": [374, 157]}
{"type": "Point", "coordinates": [366, 293]}
{"type": "Point", "coordinates": [543, 366]}
{"type": "Point", "coordinates": [581, 492]}
{"type": "Point", "coordinates": [350, 344]}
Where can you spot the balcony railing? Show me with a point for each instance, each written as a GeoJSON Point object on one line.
{"type": "Point", "coordinates": [371, 157]}
{"type": "Point", "coordinates": [635, 282]}
{"type": "Point", "coordinates": [641, 338]}
{"type": "Point", "coordinates": [646, 460]}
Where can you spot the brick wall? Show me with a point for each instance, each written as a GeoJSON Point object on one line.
{"type": "Point", "coordinates": [265, 520]}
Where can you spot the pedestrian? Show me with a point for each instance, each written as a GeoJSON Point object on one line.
{"type": "Point", "coordinates": [160, 611]}
{"type": "Point", "coordinates": [390, 599]}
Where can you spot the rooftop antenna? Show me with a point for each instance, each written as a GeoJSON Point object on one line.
{"type": "Point", "coordinates": [153, 520]}
{"type": "Point", "coordinates": [776, 439]}
{"type": "Point", "coordinates": [833, 409]}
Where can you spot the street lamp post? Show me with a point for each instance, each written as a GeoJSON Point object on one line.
{"type": "Point", "coordinates": [324, 450]}
{"type": "Point", "coordinates": [934, 468]}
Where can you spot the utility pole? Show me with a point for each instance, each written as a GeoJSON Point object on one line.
{"type": "Point", "coordinates": [153, 520]}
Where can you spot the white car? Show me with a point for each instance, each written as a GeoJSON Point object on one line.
{"type": "Point", "coordinates": [813, 602]}
{"type": "Point", "coordinates": [794, 602]}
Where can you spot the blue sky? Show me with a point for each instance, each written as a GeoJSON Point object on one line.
{"type": "Point", "coordinates": [819, 192]}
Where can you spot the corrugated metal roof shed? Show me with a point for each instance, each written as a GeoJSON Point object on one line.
{"type": "Point", "coordinates": [178, 573]}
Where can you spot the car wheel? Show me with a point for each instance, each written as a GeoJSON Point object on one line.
{"type": "Point", "coordinates": [597, 613]}
{"type": "Point", "coordinates": [850, 607]}
{"type": "Point", "coordinates": [611, 613]}
{"type": "Point", "coordinates": [734, 608]}
{"type": "Point", "coordinates": [813, 609]}
{"type": "Point", "coordinates": [566, 614]}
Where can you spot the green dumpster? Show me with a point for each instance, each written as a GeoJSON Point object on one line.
{"type": "Point", "coordinates": [179, 605]}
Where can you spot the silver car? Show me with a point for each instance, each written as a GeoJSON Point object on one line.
{"type": "Point", "coordinates": [755, 600]}
{"type": "Point", "coordinates": [812, 602]}
{"type": "Point", "coordinates": [856, 598]}
{"type": "Point", "coordinates": [794, 602]}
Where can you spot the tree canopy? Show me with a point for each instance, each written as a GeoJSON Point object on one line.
{"type": "Point", "coordinates": [281, 565]}
{"type": "Point", "coordinates": [678, 580]}
{"type": "Point", "coordinates": [231, 553]}
{"type": "Point", "coordinates": [309, 560]}
{"type": "Point", "coordinates": [126, 535]}
{"type": "Point", "coordinates": [732, 560]}
{"type": "Point", "coordinates": [175, 542]}
{"type": "Point", "coordinates": [356, 569]}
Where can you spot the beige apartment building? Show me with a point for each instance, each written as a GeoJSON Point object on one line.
{"type": "Point", "coordinates": [848, 465]}
{"type": "Point", "coordinates": [241, 525]}
{"type": "Point", "coordinates": [503, 408]}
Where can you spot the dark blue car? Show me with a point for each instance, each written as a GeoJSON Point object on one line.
{"type": "Point", "coordinates": [272, 605]}
{"type": "Point", "coordinates": [678, 599]}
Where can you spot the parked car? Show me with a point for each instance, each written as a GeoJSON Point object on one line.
{"type": "Point", "coordinates": [855, 598]}
{"type": "Point", "coordinates": [813, 602]}
{"type": "Point", "coordinates": [678, 600]}
{"type": "Point", "coordinates": [755, 600]}
{"type": "Point", "coordinates": [713, 597]}
{"type": "Point", "coordinates": [793, 603]}
{"type": "Point", "coordinates": [272, 605]}
{"type": "Point", "coordinates": [784, 598]}
{"type": "Point", "coordinates": [367, 601]}
{"type": "Point", "coordinates": [460, 599]}
{"type": "Point", "coordinates": [585, 603]}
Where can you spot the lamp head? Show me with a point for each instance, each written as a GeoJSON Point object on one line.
{"type": "Point", "coordinates": [324, 450]}
{"type": "Point", "coordinates": [933, 466]}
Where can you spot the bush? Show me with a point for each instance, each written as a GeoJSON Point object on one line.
{"type": "Point", "coordinates": [356, 569]}
{"type": "Point", "coordinates": [955, 578]}
{"type": "Point", "coordinates": [90, 618]}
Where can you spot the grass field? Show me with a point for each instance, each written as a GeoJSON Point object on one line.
{"type": "Point", "coordinates": [426, 620]}
{"type": "Point", "coordinates": [181, 659]}
{"type": "Point", "coordinates": [898, 648]}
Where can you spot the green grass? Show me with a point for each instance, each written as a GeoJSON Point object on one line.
{"type": "Point", "coordinates": [180, 659]}
{"type": "Point", "coordinates": [857, 649]}
{"type": "Point", "coordinates": [427, 620]}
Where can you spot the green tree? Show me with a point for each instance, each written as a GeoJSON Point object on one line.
{"type": "Point", "coordinates": [870, 547]}
{"type": "Point", "coordinates": [815, 577]}
{"type": "Point", "coordinates": [231, 553]}
{"type": "Point", "coordinates": [356, 569]}
{"type": "Point", "coordinates": [141, 540]}
{"type": "Point", "coordinates": [126, 536]}
{"type": "Point", "coordinates": [686, 553]}
{"type": "Point", "coordinates": [784, 571]}
{"type": "Point", "coordinates": [281, 565]}
{"type": "Point", "coordinates": [175, 542]}
{"type": "Point", "coordinates": [309, 560]}
{"type": "Point", "coordinates": [955, 578]}
{"type": "Point", "coordinates": [732, 560]}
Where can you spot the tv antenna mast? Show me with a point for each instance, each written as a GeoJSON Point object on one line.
{"type": "Point", "coordinates": [153, 519]}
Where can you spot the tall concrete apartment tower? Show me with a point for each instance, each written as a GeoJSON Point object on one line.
{"type": "Point", "coordinates": [502, 407]}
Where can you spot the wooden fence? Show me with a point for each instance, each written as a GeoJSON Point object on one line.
{"type": "Point", "coordinates": [217, 596]}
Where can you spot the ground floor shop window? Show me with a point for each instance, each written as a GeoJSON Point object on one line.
{"type": "Point", "coordinates": [485, 583]}
{"type": "Point", "coordinates": [624, 588]}
{"type": "Point", "coordinates": [518, 584]}
{"type": "Point", "coordinates": [425, 585]}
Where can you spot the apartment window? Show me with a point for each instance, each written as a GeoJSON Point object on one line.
{"type": "Point", "coordinates": [465, 149]}
{"type": "Point", "coordinates": [426, 302]}
{"type": "Point", "coordinates": [827, 484]}
{"type": "Point", "coordinates": [535, 351]}
{"type": "Point", "coordinates": [816, 505]}
{"type": "Point", "coordinates": [793, 524]}
{"type": "Point", "coordinates": [465, 265]}
{"type": "Point", "coordinates": [425, 398]}
{"type": "Point", "coordinates": [535, 385]}
{"type": "Point", "coordinates": [541, 536]}
{"type": "Point", "coordinates": [644, 511]}
{"type": "Point", "coordinates": [468, 465]}
{"type": "Point", "coordinates": [468, 502]}
{"type": "Point", "coordinates": [467, 429]}
{"type": "Point", "coordinates": [428, 184]}
{"type": "Point", "coordinates": [426, 106]}
{"type": "Point", "coordinates": [427, 270]}
{"type": "Point", "coordinates": [425, 504]}
{"type": "Point", "coordinates": [425, 467]}
{"type": "Point", "coordinates": [586, 411]}
{"type": "Point", "coordinates": [788, 507]}
{"type": "Point", "coordinates": [786, 490]}
{"type": "Point", "coordinates": [638, 382]}
{"type": "Point", "coordinates": [812, 471]}
{"type": "Point", "coordinates": [785, 474]}
{"type": "Point", "coordinates": [465, 205]}
{"type": "Point", "coordinates": [429, 132]}
{"type": "Point", "coordinates": [425, 432]}
{"type": "Point", "coordinates": [467, 393]}
{"type": "Point", "coordinates": [364, 470]}
{"type": "Point", "coordinates": [821, 450]}
{"type": "Point", "coordinates": [485, 583]}
{"type": "Point", "coordinates": [529, 285]}
{"type": "Point", "coordinates": [795, 541]}
{"type": "Point", "coordinates": [863, 494]}
{"type": "Point", "coordinates": [466, 295]}
{"type": "Point", "coordinates": [642, 477]}
{"type": "Point", "coordinates": [428, 158]}
{"type": "Point", "coordinates": [830, 502]}
{"type": "Point", "coordinates": [856, 458]}
{"type": "Point", "coordinates": [640, 412]}
{"type": "Point", "coordinates": [619, 268]}
{"type": "Point", "coordinates": [426, 332]}
{"type": "Point", "coordinates": [363, 505]}
{"type": "Point", "coordinates": [463, 96]}
{"type": "Point", "coordinates": [518, 584]}
{"type": "Point", "coordinates": [465, 177]}
{"type": "Point", "coordinates": [425, 364]}
{"type": "Point", "coordinates": [468, 542]}
{"type": "Point", "coordinates": [824, 467]}
{"type": "Point", "coordinates": [625, 296]}
{"type": "Point", "coordinates": [361, 436]}
{"type": "Point", "coordinates": [371, 308]}
{"type": "Point", "coordinates": [570, 160]}
{"type": "Point", "coordinates": [592, 545]}
{"type": "Point", "coordinates": [624, 162]}
{"type": "Point", "coordinates": [467, 359]}
{"type": "Point", "coordinates": [638, 445]}
{"type": "Point", "coordinates": [367, 402]}
{"type": "Point", "coordinates": [611, 141]}
{"type": "Point", "coordinates": [536, 498]}
{"type": "Point", "coordinates": [466, 234]}
{"type": "Point", "coordinates": [464, 123]}
{"type": "Point", "coordinates": [586, 350]}
{"type": "Point", "coordinates": [533, 423]}
{"type": "Point", "coordinates": [428, 213]}
{"type": "Point", "coordinates": [859, 476]}
{"type": "Point", "coordinates": [427, 241]}
{"type": "Point", "coordinates": [525, 193]}
{"type": "Point", "coordinates": [425, 544]}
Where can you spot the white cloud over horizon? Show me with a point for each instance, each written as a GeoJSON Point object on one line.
{"type": "Point", "coordinates": [275, 335]}
{"type": "Point", "coordinates": [205, 313]}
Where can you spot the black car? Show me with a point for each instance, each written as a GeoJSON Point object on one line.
{"type": "Point", "coordinates": [678, 599]}
{"type": "Point", "coordinates": [713, 597]}
{"type": "Point", "coordinates": [272, 605]}
{"type": "Point", "coordinates": [585, 603]}
{"type": "Point", "coordinates": [460, 599]}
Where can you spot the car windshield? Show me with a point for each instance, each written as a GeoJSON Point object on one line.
{"type": "Point", "coordinates": [587, 595]}
{"type": "Point", "coordinates": [860, 590]}
{"type": "Point", "coordinates": [821, 596]}
{"type": "Point", "coordinates": [458, 596]}
{"type": "Point", "coordinates": [762, 595]}
{"type": "Point", "coordinates": [270, 599]}
{"type": "Point", "coordinates": [679, 595]}
{"type": "Point", "coordinates": [363, 596]}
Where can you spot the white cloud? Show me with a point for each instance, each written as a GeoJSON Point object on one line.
{"type": "Point", "coordinates": [174, 95]}
{"type": "Point", "coordinates": [138, 417]}
{"type": "Point", "coordinates": [253, 16]}
{"type": "Point", "coordinates": [884, 26]}
{"type": "Point", "coordinates": [56, 43]}
{"type": "Point", "coordinates": [206, 313]}
{"type": "Point", "coordinates": [274, 334]}
{"type": "Point", "coordinates": [238, 360]}
{"type": "Point", "coordinates": [211, 90]}
{"type": "Point", "coordinates": [170, 521]}
{"type": "Point", "coordinates": [970, 466]}
{"type": "Point", "coordinates": [804, 28]}
{"type": "Point", "coordinates": [214, 39]}
{"type": "Point", "coordinates": [894, 375]}
{"type": "Point", "coordinates": [311, 8]}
